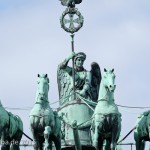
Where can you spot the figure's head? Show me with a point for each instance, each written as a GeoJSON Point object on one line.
{"type": "Point", "coordinates": [79, 59]}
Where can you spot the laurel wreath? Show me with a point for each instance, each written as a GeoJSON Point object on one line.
{"type": "Point", "coordinates": [72, 11]}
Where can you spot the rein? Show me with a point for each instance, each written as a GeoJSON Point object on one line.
{"type": "Point", "coordinates": [40, 102]}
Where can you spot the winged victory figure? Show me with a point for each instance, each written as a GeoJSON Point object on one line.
{"type": "Point", "coordinates": [86, 82]}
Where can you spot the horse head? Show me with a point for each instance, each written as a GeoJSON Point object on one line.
{"type": "Point", "coordinates": [43, 87]}
{"type": "Point", "coordinates": [108, 79]}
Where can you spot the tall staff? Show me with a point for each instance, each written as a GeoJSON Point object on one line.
{"type": "Point", "coordinates": [71, 11]}
{"type": "Point", "coordinates": [73, 70]}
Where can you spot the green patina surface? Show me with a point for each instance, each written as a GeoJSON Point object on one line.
{"type": "Point", "coordinates": [45, 124]}
{"type": "Point", "coordinates": [106, 124]}
{"type": "Point", "coordinates": [11, 130]}
{"type": "Point", "coordinates": [142, 130]}
{"type": "Point", "coordinates": [86, 93]}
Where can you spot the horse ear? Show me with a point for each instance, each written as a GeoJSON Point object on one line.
{"type": "Point", "coordinates": [38, 75]}
{"type": "Point", "coordinates": [105, 69]}
{"type": "Point", "coordinates": [45, 76]}
{"type": "Point", "coordinates": [112, 70]}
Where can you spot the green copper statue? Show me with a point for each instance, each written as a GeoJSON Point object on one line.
{"type": "Point", "coordinates": [70, 3]}
{"type": "Point", "coordinates": [86, 82]}
{"type": "Point", "coordinates": [45, 124]}
{"type": "Point", "coordinates": [142, 131]}
{"type": "Point", "coordinates": [11, 130]}
{"type": "Point", "coordinates": [106, 124]}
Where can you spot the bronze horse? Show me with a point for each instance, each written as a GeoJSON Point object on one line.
{"type": "Point", "coordinates": [142, 130]}
{"type": "Point", "coordinates": [11, 130]}
{"type": "Point", "coordinates": [106, 123]}
{"type": "Point", "coordinates": [45, 124]}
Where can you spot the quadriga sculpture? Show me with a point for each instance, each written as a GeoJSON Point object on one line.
{"type": "Point", "coordinates": [106, 124]}
{"type": "Point", "coordinates": [11, 130]}
{"type": "Point", "coordinates": [142, 130]}
{"type": "Point", "coordinates": [45, 124]}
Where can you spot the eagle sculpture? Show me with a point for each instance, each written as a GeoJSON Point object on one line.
{"type": "Point", "coordinates": [70, 3]}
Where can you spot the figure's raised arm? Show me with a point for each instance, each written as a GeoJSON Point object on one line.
{"type": "Point", "coordinates": [64, 64]}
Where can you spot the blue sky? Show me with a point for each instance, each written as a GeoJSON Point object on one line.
{"type": "Point", "coordinates": [115, 34]}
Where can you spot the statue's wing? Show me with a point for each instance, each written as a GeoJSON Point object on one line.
{"type": "Point", "coordinates": [95, 82]}
{"type": "Point", "coordinates": [64, 84]}
{"type": "Point", "coordinates": [67, 2]}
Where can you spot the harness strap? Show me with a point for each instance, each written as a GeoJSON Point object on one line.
{"type": "Point", "coordinates": [102, 100]}
{"type": "Point", "coordinates": [39, 116]}
{"type": "Point", "coordinates": [40, 103]}
{"type": "Point", "coordinates": [115, 114]}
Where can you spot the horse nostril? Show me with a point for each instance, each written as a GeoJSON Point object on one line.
{"type": "Point", "coordinates": [110, 86]}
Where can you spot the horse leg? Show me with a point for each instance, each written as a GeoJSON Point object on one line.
{"type": "Point", "coordinates": [115, 132]}
{"type": "Point", "coordinates": [137, 140]}
{"type": "Point", "coordinates": [142, 145]}
{"type": "Point", "coordinates": [16, 141]}
{"type": "Point", "coordinates": [41, 141]}
{"type": "Point", "coordinates": [34, 121]}
{"type": "Point", "coordinates": [5, 141]}
{"type": "Point", "coordinates": [95, 136]}
{"type": "Point", "coordinates": [138, 144]}
{"type": "Point", "coordinates": [57, 142]}
{"type": "Point", "coordinates": [50, 145]}
{"type": "Point", "coordinates": [100, 143]}
{"type": "Point", "coordinates": [113, 140]}
{"type": "Point", "coordinates": [40, 146]}
{"type": "Point", "coordinates": [107, 146]}
{"type": "Point", "coordinates": [5, 145]}
{"type": "Point", "coordinates": [47, 132]}
{"type": "Point", "coordinates": [36, 143]}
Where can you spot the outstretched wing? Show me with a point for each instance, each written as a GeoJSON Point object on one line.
{"type": "Point", "coordinates": [95, 82]}
{"type": "Point", "coordinates": [64, 85]}
{"type": "Point", "coordinates": [68, 2]}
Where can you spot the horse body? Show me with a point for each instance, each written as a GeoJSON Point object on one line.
{"type": "Point", "coordinates": [11, 129]}
{"type": "Point", "coordinates": [142, 130]}
{"type": "Point", "coordinates": [41, 116]}
{"type": "Point", "coordinates": [43, 120]}
{"type": "Point", "coordinates": [106, 124]}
